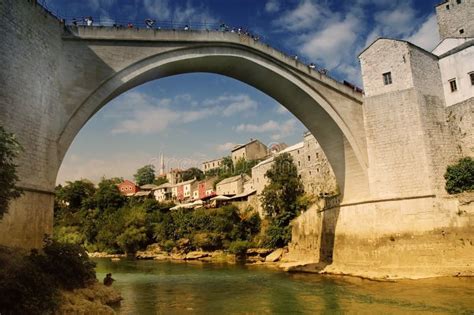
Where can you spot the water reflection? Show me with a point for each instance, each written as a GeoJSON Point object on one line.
{"type": "Point", "coordinates": [150, 287]}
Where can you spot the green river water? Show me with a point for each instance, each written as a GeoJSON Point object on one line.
{"type": "Point", "coordinates": [150, 287]}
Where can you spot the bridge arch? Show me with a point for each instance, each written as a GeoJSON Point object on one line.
{"type": "Point", "coordinates": [252, 67]}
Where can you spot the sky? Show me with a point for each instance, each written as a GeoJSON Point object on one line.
{"type": "Point", "coordinates": [195, 117]}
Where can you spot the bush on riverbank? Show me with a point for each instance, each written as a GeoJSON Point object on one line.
{"type": "Point", "coordinates": [207, 229]}
{"type": "Point", "coordinates": [30, 283]}
{"type": "Point", "coordinates": [460, 176]}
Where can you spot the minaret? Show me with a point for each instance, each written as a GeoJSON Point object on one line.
{"type": "Point", "coordinates": [162, 165]}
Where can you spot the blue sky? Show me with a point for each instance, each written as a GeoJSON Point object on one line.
{"type": "Point", "coordinates": [195, 117]}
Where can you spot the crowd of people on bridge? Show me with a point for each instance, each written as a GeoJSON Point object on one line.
{"type": "Point", "coordinates": [151, 24]}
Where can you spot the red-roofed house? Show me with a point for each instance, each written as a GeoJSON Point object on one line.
{"type": "Point", "coordinates": [128, 188]}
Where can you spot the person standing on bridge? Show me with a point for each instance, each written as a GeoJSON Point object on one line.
{"type": "Point", "coordinates": [149, 23]}
{"type": "Point", "coordinates": [89, 21]}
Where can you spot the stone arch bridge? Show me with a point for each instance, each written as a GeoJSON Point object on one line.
{"type": "Point", "coordinates": [53, 79]}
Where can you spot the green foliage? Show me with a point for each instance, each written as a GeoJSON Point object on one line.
{"type": "Point", "coordinates": [24, 287]}
{"type": "Point", "coordinates": [145, 175]}
{"type": "Point", "coordinates": [9, 150]}
{"type": "Point", "coordinates": [243, 166]}
{"type": "Point", "coordinates": [67, 264]}
{"type": "Point", "coordinates": [69, 235]}
{"type": "Point", "coordinates": [120, 225]}
{"type": "Point", "coordinates": [208, 229]}
{"type": "Point", "coordinates": [168, 245]}
{"type": "Point", "coordinates": [29, 284]}
{"type": "Point", "coordinates": [460, 176]}
{"type": "Point", "coordinates": [160, 181]}
{"type": "Point", "coordinates": [239, 248]}
{"type": "Point", "coordinates": [192, 173]}
{"type": "Point", "coordinates": [108, 196]}
{"type": "Point", "coordinates": [281, 199]}
{"type": "Point", "coordinates": [207, 240]}
{"type": "Point", "coordinates": [75, 194]}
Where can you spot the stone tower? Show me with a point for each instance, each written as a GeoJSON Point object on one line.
{"type": "Point", "coordinates": [162, 165]}
{"type": "Point", "coordinates": [455, 18]}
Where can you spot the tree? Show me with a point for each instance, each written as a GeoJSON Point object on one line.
{"type": "Point", "coordinates": [460, 176]}
{"type": "Point", "coordinates": [9, 150]}
{"type": "Point", "coordinates": [192, 173]}
{"type": "Point", "coordinates": [108, 196]}
{"type": "Point", "coordinates": [227, 162]}
{"type": "Point", "coordinates": [160, 181]}
{"type": "Point", "coordinates": [145, 175]}
{"type": "Point", "coordinates": [75, 194]}
{"type": "Point", "coordinates": [280, 199]}
{"type": "Point", "coordinates": [242, 166]}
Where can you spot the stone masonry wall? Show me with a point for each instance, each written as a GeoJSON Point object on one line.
{"type": "Point", "coordinates": [29, 106]}
{"type": "Point", "coordinates": [460, 118]}
{"type": "Point", "coordinates": [457, 17]}
{"type": "Point", "coordinates": [398, 158]}
{"type": "Point", "coordinates": [384, 56]}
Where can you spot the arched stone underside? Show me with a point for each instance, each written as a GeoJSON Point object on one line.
{"type": "Point", "coordinates": [54, 79]}
{"type": "Point", "coordinates": [304, 101]}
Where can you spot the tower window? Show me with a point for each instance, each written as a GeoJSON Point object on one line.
{"type": "Point", "coordinates": [461, 31]}
{"type": "Point", "coordinates": [447, 7]}
{"type": "Point", "coordinates": [471, 75]}
{"type": "Point", "coordinates": [387, 78]}
{"type": "Point", "coordinates": [458, 1]}
{"type": "Point", "coordinates": [453, 85]}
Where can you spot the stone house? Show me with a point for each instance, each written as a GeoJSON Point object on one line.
{"type": "Point", "coordinates": [163, 192]}
{"type": "Point", "coordinates": [232, 186]}
{"type": "Point", "coordinates": [212, 164]}
{"type": "Point", "coordinates": [174, 176]}
{"type": "Point", "coordinates": [408, 92]}
{"type": "Point", "coordinates": [253, 150]}
{"type": "Point", "coordinates": [312, 165]}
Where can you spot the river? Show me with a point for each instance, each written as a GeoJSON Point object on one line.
{"type": "Point", "coordinates": [150, 287]}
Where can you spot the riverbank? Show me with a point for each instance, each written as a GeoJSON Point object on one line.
{"type": "Point", "coordinates": [155, 252]}
{"type": "Point", "coordinates": [94, 299]}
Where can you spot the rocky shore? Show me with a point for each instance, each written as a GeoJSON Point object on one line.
{"type": "Point", "coordinates": [156, 252]}
{"type": "Point", "coordinates": [94, 299]}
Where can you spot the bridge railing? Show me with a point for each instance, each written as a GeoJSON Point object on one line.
{"type": "Point", "coordinates": [121, 23]}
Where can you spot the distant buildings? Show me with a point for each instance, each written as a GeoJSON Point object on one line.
{"type": "Point", "coordinates": [128, 188]}
{"type": "Point", "coordinates": [253, 150]}
{"type": "Point", "coordinates": [309, 159]}
{"type": "Point", "coordinates": [233, 185]}
{"type": "Point", "coordinates": [212, 164]}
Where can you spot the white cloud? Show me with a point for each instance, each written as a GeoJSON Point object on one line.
{"type": "Point", "coordinates": [427, 35]}
{"type": "Point", "coordinates": [164, 10]}
{"type": "Point", "coordinates": [225, 147]}
{"type": "Point", "coordinates": [139, 113]}
{"type": "Point", "coordinates": [272, 6]}
{"type": "Point", "coordinates": [303, 17]}
{"type": "Point", "coordinates": [397, 21]}
{"type": "Point", "coordinates": [331, 45]}
{"type": "Point", "coordinates": [286, 129]}
{"type": "Point", "coordinates": [159, 9]}
{"type": "Point", "coordinates": [280, 109]}
{"type": "Point", "coordinates": [232, 104]}
{"type": "Point", "coordinates": [270, 125]}
{"type": "Point", "coordinates": [75, 167]}
{"type": "Point", "coordinates": [279, 129]}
